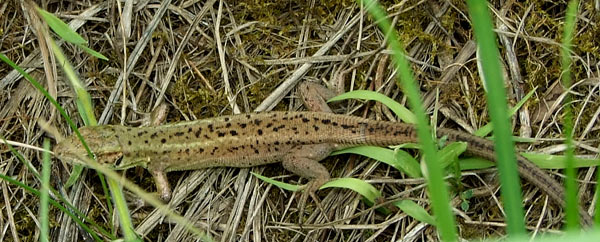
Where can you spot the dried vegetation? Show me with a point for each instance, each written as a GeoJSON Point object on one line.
{"type": "Point", "coordinates": [242, 56]}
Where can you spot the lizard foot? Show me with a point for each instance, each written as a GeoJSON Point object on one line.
{"type": "Point", "coordinates": [310, 190]}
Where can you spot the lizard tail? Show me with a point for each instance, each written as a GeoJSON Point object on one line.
{"type": "Point", "coordinates": [391, 133]}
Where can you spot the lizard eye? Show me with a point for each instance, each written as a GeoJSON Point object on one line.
{"type": "Point", "coordinates": [119, 163]}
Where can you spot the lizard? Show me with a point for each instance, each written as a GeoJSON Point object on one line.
{"type": "Point", "coordinates": [297, 139]}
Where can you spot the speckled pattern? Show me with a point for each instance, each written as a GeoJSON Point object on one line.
{"type": "Point", "coordinates": [256, 139]}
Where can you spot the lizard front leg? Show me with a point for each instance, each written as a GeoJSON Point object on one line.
{"type": "Point", "coordinates": [162, 183]}
{"type": "Point", "coordinates": [315, 96]}
{"type": "Point", "coordinates": [304, 161]}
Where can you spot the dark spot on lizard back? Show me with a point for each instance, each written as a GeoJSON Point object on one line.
{"type": "Point", "coordinates": [243, 125]}
{"type": "Point", "coordinates": [228, 125]}
{"type": "Point", "coordinates": [305, 120]}
{"type": "Point", "coordinates": [211, 128]}
{"type": "Point", "coordinates": [154, 135]}
{"type": "Point", "coordinates": [326, 121]}
{"type": "Point", "coordinates": [233, 133]}
{"type": "Point", "coordinates": [257, 122]}
{"type": "Point", "coordinates": [198, 133]}
{"type": "Point", "coordinates": [129, 142]}
{"type": "Point", "coordinates": [163, 140]}
{"type": "Point", "coordinates": [220, 134]}
{"type": "Point", "coordinates": [316, 127]}
{"type": "Point", "coordinates": [227, 119]}
{"type": "Point", "coordinates": [260, 132]}
{"type": "Point", "coordinates": [178, 133]}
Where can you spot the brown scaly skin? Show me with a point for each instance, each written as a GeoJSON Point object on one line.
{"type": "Point", "coordinates": [299, 140]}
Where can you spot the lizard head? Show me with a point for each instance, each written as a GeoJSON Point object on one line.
{"type": "Point", "coordinates": [102, 140]}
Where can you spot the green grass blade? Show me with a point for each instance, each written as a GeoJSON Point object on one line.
{"type": "Point", "coordinates": [437, 189]}
{"type": "Point", "coordinates": [543, 161]}
{"type": "Point", "coordinates": [449, 154]}
{"type": "Point", "coordinates": [475, 163]}
{"type": "Point", "coordinates": [21, 158]}
{"type": "Point", "coordinates": [570, 171]}
{"type": "Point", "coordinates": [398, 159]}
{"type": "Point", "coordinates": [61, 28]}
{"type": "Point", "coordinates": [487, 129]}
{"type": "Point", "coordinates": [365, 189]}
{"type": "Point", "coordinates": [55, 204]}
{"type": "Point", "coordinates": [84, 101]}
{"type": "Point", "coordinates": [402, 112]}
{"type": "Point", "coordinates": [93, 52]}
{"type": "Point", "coordinates": [505, 153]}
{"type": "Point", "coordinates": [546, 161]}
{"type": "Point", "coordinates": [74, 176]}
{"type": "Point", "coordinates": [414, 210]}
{"type": "Point", "coordinates": [41, 89]}
{"type": "Point", "coordinates": [62, 112]}
{"type": "Point", "coordinates": [124, 215]}
{"type": "Point", "coordinates": [62, 199]}
{"type": "Point", "coordinates": [65, 32]}
{"type": "Point", "coordinates": [282, 185]}
{"type": "Point", "coordinates": [45, 193]}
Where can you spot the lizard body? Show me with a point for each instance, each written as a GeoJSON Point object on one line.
{"type": "Point", "coordinates": [299, 140]}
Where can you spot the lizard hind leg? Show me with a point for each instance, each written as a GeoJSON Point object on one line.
{"type": "Point", "coordinates": [304, 161]}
